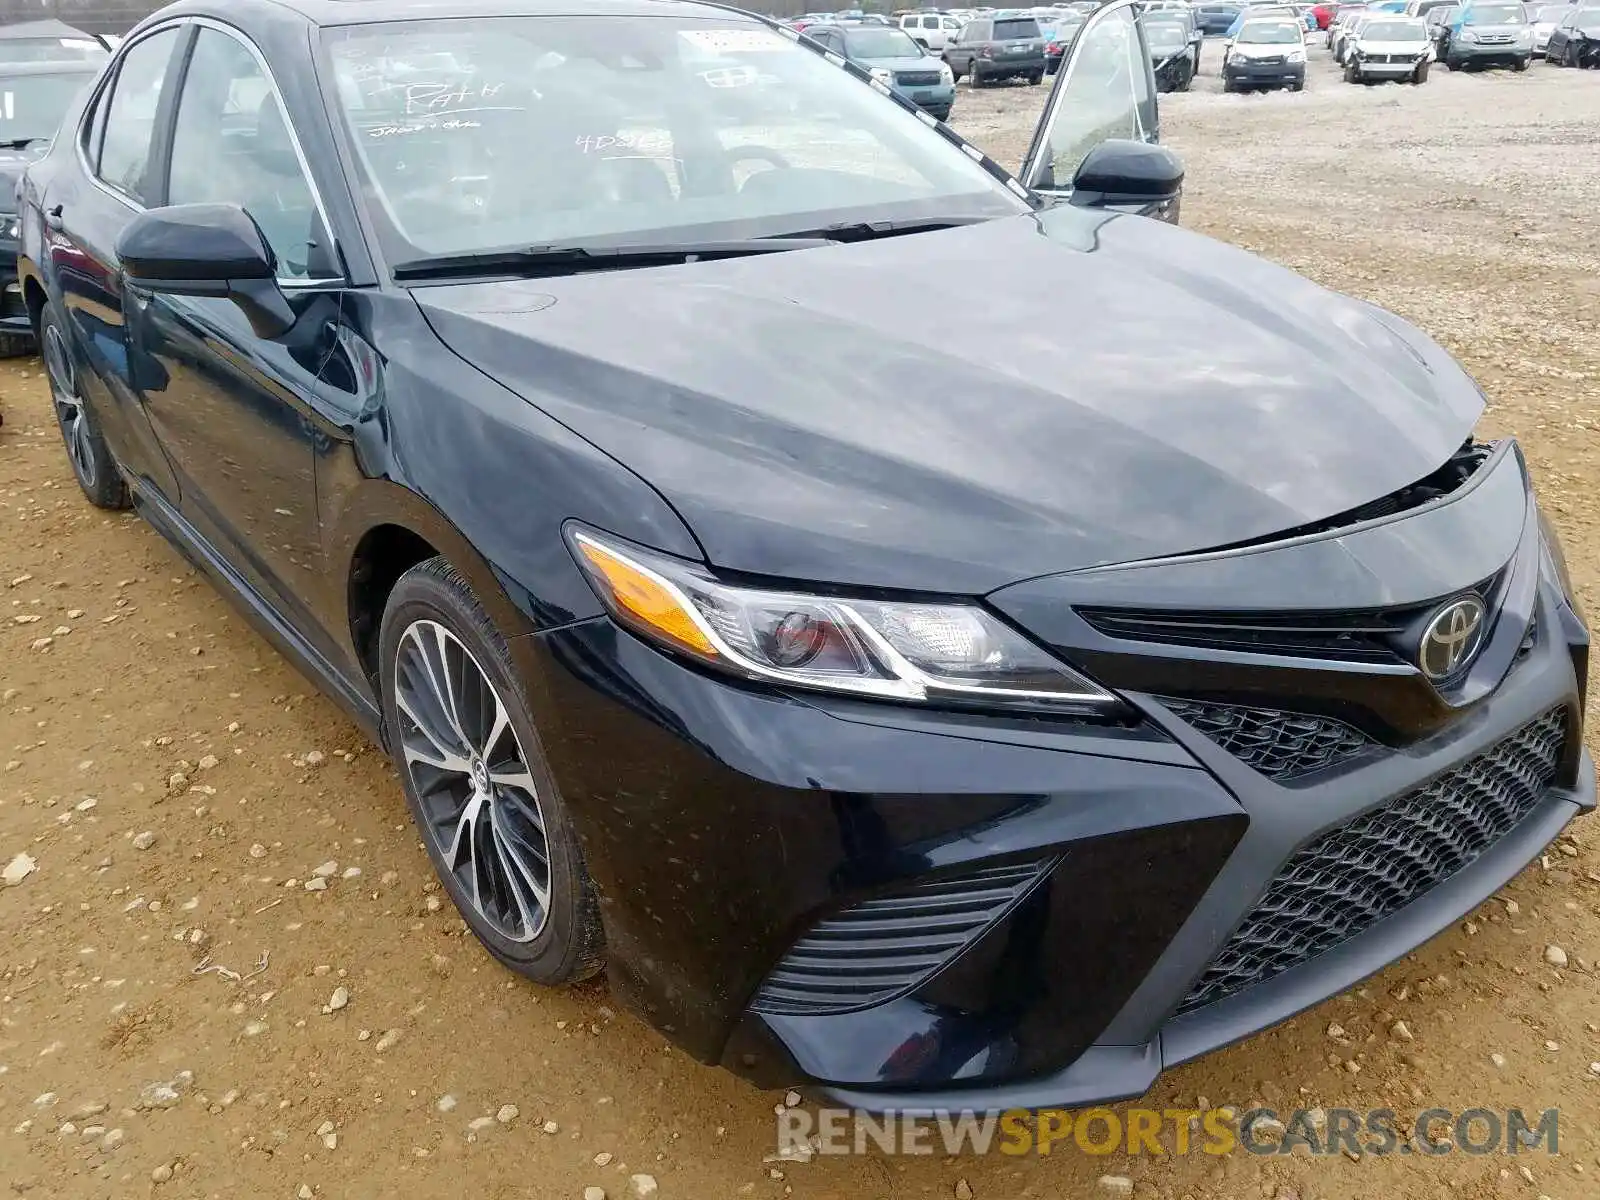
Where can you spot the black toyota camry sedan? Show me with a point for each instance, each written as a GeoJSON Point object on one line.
{"type": "Point", "coordinates": [932, 634]}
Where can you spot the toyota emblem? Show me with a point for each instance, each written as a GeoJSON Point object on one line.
{"type": "Point", "coordinates": [1451, 638]}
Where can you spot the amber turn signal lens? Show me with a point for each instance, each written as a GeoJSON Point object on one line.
{"type": "Point", "coordinates": [639, 594]}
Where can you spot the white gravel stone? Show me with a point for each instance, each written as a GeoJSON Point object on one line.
{"type": "Point", "coordinates": [112, 1139]}
{"type": "Point", "coordinates": [387, 1040]}
{"type": "Point", "coordinates": [1117, 1185]}
{"type": "Point", "coordinates": [552, 1128]}
{"type": "Point", "coordinates": [594, 1193]}
{"type": "Point", "coordinates": [507, 1113]}
{"type": "Point", "coordinates": [144, 840]}
{"type": "Point", "coordinates": [446, 1104]}
{"type": "Point", "coordinates": [642, 1187]}
{"type": "Point", "coordinates": [1555, 956]}
{"type": "Point", "coordinates": [161, 1174]}
{"type": "Point", "coordinates": [339, 999]}
{"type": "Point", "coordinates": [18, 869]}
{"type": "Point", "coordinates": [326, 870]}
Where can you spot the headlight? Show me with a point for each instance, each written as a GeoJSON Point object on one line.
{"type": "Point", "coordinates": [946, 75]}
{"type": "Point", "coordinates": [882, 74]}
{"type": "Point", "coordinates": [10, 226]}
{"type": "Point", "coordinates": [1468, 36]}
{"type": "Point", "coordinates": [910, 651]}
{"type": "Point", "coordinates": [1295, 56]}
{"type": "Point", "coordinates": [1556, 563]}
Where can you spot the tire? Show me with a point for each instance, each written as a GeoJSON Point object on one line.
{"type": "Point", "coordinates": [974, 79]}
{"type": "Point", "coordinates": [93, 467]}
{"type": "Point", "coordinates": [1352, 73]}
{"type": "Point", "coordinates": [16, 345]}
{"type": "Point", "coordinates": [1228, 85]}
{"type": "Point", "coordinates": [432, 617]}
{"type": "Point", "coordinates": [1452, 64]}
{"type": "Point", "coordinates": [1036, 79]}
{"type": "Point", "coordinates": [1520, 65]}
{"type": "Point", "coordinates": [1420, 75]}
{"type": "Point", "coordinates": [1298, 85]}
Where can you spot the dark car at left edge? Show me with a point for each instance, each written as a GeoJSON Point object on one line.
{"type": "Point", "coordinates": [943, 638]}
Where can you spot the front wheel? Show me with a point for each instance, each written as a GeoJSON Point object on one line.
{"type": "Point", "coordinates": [476, 780]}
{"type": "Point", "coordinates": [974, 79]}
{"type": "Point", "coordinates": [1420, 75]}
{"type": "Point", "coordinates": [1520, 65]}
{"type": "Point", "coordinates": [1352, 73]}
{"type": "Point", "coordinates": [92, 465]}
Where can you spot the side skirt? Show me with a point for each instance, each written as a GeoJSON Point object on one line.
{"type": "Point", "coordinates": [168, 522]}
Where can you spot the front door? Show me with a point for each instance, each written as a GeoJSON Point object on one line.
{"type": "Point", "coordinates": [234, 409]}
{"type": "Point", "coordinates": [1104, 89]}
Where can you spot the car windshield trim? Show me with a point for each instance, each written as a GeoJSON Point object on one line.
{"type": "Point", "coordinates": [1494, 14]}
{"type": "Point", "coordinates": [1396, 31]}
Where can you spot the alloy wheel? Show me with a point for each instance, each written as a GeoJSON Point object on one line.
{"type": "Point", "coordinates": [69, 408]}
{"type": "Point", "coordinates": [472, 780]}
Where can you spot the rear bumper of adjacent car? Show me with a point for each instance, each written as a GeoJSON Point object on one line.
{"type": "Point", "coordinates": [913, 910]}
{"type": "Point", "coordinates": [1008, 68]}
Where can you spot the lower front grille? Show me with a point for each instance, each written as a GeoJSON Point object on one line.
{"type": "Point", "coordinates": [917, 78]}
{"type": "Point", "coordinates": [887, 946]}
{"type": "Point", "coordinates": [1354, 876]}
{"type": "Point", "coordinates": [1280, 745]}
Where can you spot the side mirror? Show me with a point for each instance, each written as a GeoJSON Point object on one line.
{"type": "Point", "coordinates": [1121, 172]}
{"type": "Point", "coordinates": [207, 250]}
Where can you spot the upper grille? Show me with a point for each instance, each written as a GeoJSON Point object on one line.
{"type": "Point", "coordinates": [1280, 745]}
{"type": "Point", "coordinates": [884, 947]}
{"type": "Point", "coordinates": [1351, 877]}
{"type": "Point", "coordinates": [917, 78]}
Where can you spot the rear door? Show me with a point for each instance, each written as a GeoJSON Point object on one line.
{"type": "Point", "coordinates": [85, 210]}
{"type": "Point", "coordinates": [1104, 89]}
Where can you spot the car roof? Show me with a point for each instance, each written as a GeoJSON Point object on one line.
{"type": "Point", "coordinates": [43, 30]}
{"type": "Point", "coordinates": [54, 66]}
{"type": "Point", "coordinates": [362, 12]}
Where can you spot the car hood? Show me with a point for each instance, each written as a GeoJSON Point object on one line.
{"type": "Point", "coordinates": [1514, 28]}
{"type": "Point", "coordinates": [12, 164]}
{"type": "Point", "coordinates": [956, 410]}
{"type": "Point", "coordinates": [1384, 46]}
{"type": "Point", "coordinates": [922, 62]}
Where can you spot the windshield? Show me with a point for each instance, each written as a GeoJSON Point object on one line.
{"type": "Point", "coordinates": [1014, 28]}
{"type": "Point", "coordinates": [491, 133]}
{"type": "Point", "coordinates": [20, 50]}
{"type": "Point", "coordinates": [1165, 35]}
{"type": "Point", "coordinates": [881, 43]}
{"type": "Point", "coordinates": [1494, 14]}
{"type": "Point", "coordinates": [1270, 32]}
{"type": "Point", "coordinates": [1395, 31]}
{"type": "Point", "coordinates": [31, 106]}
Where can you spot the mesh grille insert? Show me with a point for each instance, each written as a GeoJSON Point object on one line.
{"type": "Point", "coordinates": [1351, 877]}
{"type": "Point", "coordinates": [1280, 745]}
{"type": "Point", "coordinates": [884, 947]}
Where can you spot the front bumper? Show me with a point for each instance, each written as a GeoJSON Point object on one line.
{"type": "Point", "coordinates": [936, 99]}
{"type": "Point", "coordinates": [1249, 73]}
{"type": "Point", "coordinates": [1389, 65]}
{"type": "Point", "coordinates": [1476, 54]}
{"type": "Point", "coordinates": [916, 910]}
{"type": "Point", "coordinates": [13, 310]}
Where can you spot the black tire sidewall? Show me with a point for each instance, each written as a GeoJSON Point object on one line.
{"type": "Point", "coordinates": [566, 947]}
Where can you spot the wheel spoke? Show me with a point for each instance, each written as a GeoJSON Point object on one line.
{"type": "Point", "coordinates": [479, 799]}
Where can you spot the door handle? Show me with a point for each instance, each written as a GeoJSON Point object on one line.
{"type": "Point", "coordinates": [52, 218]}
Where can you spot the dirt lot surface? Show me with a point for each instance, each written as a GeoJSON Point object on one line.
{"type": "Point", "coordinates": [178, 783]}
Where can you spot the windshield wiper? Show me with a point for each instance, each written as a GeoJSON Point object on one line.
{"type": "Point", "coordinates": [570, 260]}
{"type": "Point", "coordinates": [863, 231]}
{"type": "Point", "coordinates": [21, 143]}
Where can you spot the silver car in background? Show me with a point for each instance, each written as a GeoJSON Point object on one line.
{"type": "Point", "coordinates": [1389, 47]}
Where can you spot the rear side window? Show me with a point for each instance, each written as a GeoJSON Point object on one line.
{"type": "Point", "coordinates": [130, 115]}
{"type": "Point", "coordinates": [1013, 28]}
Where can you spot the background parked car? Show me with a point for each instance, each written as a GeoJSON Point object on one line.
{"type": "Point", "coordinates": [50, 41]}
{"type": "Point", "coordinates": [1182, 15]}
{"type": "Point", "coordinates": [1269, 52]}
{"type": "Point", "coordinates": [1438, 24]}
{"type": "Point", "coordinates": [1215, 19]}
{"type": "Point", "coordinates": [1492, 34]}
{"type": "Point", "coordinates": [1172, 55]}
{"type": "Point", "coordinates": [931, 29]}
{"type": "Point", "coordinates": [990, 49]}
{"type": "Point", "coordinates": [1575, 41]}
{"type": "Point", "coordinates": [890, 55]}
{"type": "Point", "coordinates": [35, 95]}
{"type": "Point", "coordinates": [1390, 48]}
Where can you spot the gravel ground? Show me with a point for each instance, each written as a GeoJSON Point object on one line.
{"type": "Point", "coordinates": [181, 1015]}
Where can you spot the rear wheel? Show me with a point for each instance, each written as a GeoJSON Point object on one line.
{"type": "Point", "coordinates": [92, 465]}
{"type": "Point", "coordinates": [475, 777]}
{"type": "Point", "coordinates": [15, 345]}
{"type": "Point", "coordinates": [1036, 79]}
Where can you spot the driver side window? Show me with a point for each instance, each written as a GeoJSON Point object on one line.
{"type": "Point", "coordinates": [1104, 96]}
{"type": "Point", "coordinates": [232, 145]}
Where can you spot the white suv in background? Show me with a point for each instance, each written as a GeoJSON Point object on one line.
{"type": "Point", "coordinates": [933, 30]}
